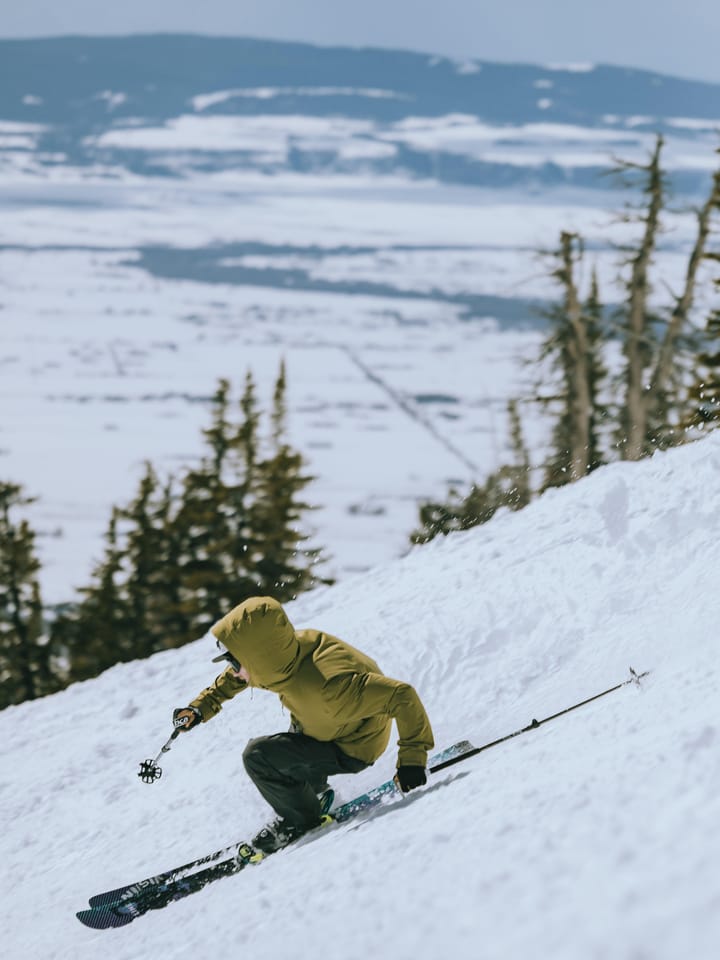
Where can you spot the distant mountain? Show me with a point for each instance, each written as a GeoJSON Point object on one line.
{"type": "Point", "coordinates": [130, 100]}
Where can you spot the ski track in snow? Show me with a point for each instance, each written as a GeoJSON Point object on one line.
{"type": "Point", "coordinates": [593, 837]}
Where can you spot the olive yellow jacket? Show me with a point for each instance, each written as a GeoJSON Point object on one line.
{"type": "Point", "coordinates": [333, 691]}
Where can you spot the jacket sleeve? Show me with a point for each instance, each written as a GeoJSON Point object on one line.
{"type": "Point", "coordinates": [223, 688]}
{"type": "Point", "coordinates": [371, 695]}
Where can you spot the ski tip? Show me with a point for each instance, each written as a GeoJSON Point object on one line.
{"type": "Point", "coordinates": [102, 918]}
{"type": "Point", "coordinates": [105, 899]}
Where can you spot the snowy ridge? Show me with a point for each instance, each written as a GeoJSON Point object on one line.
{"type": "Point", "coordinates": [202, 102]}
{"type": "Point", "coordinates": [593, 837]}
{"type": "Point", "coordinates": [115, 104]}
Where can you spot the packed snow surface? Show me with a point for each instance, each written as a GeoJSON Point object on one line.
{"type": "Point", "coordinates": [592, 837]}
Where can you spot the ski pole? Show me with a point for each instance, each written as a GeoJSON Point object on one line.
{"type": "Point", "coordinates": [150, 770]}
{"type": "Point", "coordinates": [534, 724]}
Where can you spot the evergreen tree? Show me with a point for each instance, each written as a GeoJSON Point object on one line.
{"type": "Point", "coordinates": [284, 566]}
{"type": "Point", "coordinates": [27, 669]}
{"type": "Point", "coordinates": [509, 486]}
{"type": "Point", "coordinates": [140, 559]}
{"type": "Point", "coordinates": [654, 375]}
{"type": "Point", "coordinates": [152, 578]}
{"type": "Point", "coordinates": [132, 606]}
{"type": "Point", "coordinates": [204, 527]}
{"type": "Point", "coordinates": [97, 632]}
{"type": "Point", "coordinates": [597, 373]}
{"type": "Point", "coordinates": [219, 434]}
{"type": "Point", "coordinates": [168, 622]}
{"type": "Point", "coordinates": [663, 397]}
{"type": "Point", "coordinates": [242, 548]}
{"type": "Point", "coordinates": [656, 349]}
{"type": "Point", "coordinates": [574, 347]}
{"type": "Point", "coordinates": [704, 396]}
{"type": "Point", "coordinates": [174, 563]}
{"type": "Point", "coordinates": [637, 321]}
{"type": "Point", "coordinates": [246, 437]}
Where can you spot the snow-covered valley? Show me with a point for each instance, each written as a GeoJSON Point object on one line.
{"type": "Point", "coordinates": [408, 314]}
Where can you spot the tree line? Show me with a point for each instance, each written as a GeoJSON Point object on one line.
{"type": "Point", "coordinates": [184, 550]}
{"type": "Point", "coordinates": [662, 391]}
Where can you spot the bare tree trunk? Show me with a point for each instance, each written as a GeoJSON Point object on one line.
{"type": "Point", "coordinates": [596, 369]}
{"type": "Point", "coordinates": [579, 399]}
{"type": "Point", "coordinates": [635, 349]}
{"type": "Point", "coordinates": [521, 456]}
{"type": "Point", "coordinates": [656, 395]}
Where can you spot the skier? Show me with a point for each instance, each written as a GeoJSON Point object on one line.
{"type": "Point", "coordinates": [341, 707]}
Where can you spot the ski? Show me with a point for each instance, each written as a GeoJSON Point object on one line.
{"type": "Point", "coordinates": [155, 896]}
{"type": "Point", "coordinates": [120, 906]}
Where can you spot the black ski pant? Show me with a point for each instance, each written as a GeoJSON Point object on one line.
{"type": "Point", "coordinates": [290, 769]}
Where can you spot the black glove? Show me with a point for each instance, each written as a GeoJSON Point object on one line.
{"type": "Point", "coordinates": [186, 717]}
{"type": "Point", "coordinates": [407, 778]}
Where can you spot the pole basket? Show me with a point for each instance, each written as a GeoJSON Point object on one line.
{"type": "Point", "coordinates": [149, 771]}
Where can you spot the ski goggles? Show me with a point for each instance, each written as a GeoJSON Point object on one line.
{"type": "Point", "coordinates": [226, 655]}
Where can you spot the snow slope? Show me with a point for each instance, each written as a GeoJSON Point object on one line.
{"type": "Point", "coordinates": [593, 837]}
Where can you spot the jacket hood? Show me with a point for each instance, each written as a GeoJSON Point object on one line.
{"type": "Point", "coordinates": [260, 636]}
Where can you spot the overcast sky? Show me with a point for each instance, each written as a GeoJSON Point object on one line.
{"type": "Point", "coordinates": [680, 37]}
